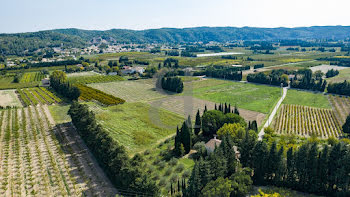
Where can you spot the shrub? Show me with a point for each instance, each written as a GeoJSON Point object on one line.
{"type": "Point", "coordinates": [173, 162]}
{"type": "Point", "coordinates": [168, 172]}
{"type": "Point", "coordinates": [147, 152]}
{"type": "Point", "coordinates": [161, 165]}
{"type": "Point", "coordinates": [174, 178]}
{"type": "Point", "coordinates": [180, 168]}
{"type": "Point", "coordinates": [162, 182]}
{"type": "Point", "coordinates": [186, 174]}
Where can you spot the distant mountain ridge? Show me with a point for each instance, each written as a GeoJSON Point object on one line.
{"type": "Point", "coordinates": [14, 43]}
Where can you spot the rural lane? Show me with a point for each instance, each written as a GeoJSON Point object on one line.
{"type": "Point", "coordinates": [273, 113]}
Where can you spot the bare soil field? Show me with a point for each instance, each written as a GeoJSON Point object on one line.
{"type": "Point", "coordinates": [80, 74]}
{"type": "Point", "coordinates": [325, 68]}
{"type": "Point", "coordinates": [188, 105]}
{"type": "Point", "coordinates": [34, 161]}
{"type": "Point", "coordinates": [9, 98]}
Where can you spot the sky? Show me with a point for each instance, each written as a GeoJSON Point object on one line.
{"type": "Point", "coordinates": [34, 15]}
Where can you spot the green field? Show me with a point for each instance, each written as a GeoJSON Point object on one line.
{"type": "Point", "coordinates": [307, 98]}
{"type": "Point", "coordinates": [260, 98]}
{"type": "Point", "coordinates": [137, 126]}
{"type": "Point", "coordinates": [59, 113]}
{"type": "Point", "coordinates": [95, 79]}
{"type": "Point", "coordinates": [343, 75]}
{"type": "Point", "coordinates": [131, 91]}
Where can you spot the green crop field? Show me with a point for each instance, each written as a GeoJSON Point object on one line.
{"type": "Point", "coordinates": [31, 76]}
{"type": "Point", "coordinates": [137, 126]}
{"type": "Point", "coordinates": [95, 79]}
{"type": "Point", "coordinates": [260, 98]}
{"type": "Point", "coordinates": [307, 98]}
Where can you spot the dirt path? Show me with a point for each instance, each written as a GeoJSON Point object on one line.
{"type": "Point", "coordinates": [273, 113]}
{"type": "Point", "coordinates": [80, 156]}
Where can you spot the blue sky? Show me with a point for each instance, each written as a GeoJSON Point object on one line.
{"type": "Point", "coordinates": [34, 15]}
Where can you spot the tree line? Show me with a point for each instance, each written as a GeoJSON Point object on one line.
{"type": "Point", "coordinates": [58, 81]}
{"type": "Point", "coordinates": [231, 73]}
{"type": "Point", "coordinates": [311, 168]}
{"type": "Point", "coordinates": [275, 77]}
{"type": "Point", "coordinates": [124, 172]}
{"type": "Point", "coordinates": [332, 73]}
{"type": "Point", "coordinates": [305, 80]}
{"type": "Point", "coordinates": [342, 88]}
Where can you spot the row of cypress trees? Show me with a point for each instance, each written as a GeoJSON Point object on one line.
{"type": "Point", "coordinates": [125, 173]}
{"type": "Point", "coordinates": [172, 84]}
{"type": "Point", "coordinates": [58, 81]}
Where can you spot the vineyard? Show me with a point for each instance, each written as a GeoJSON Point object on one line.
{"type": "Point", "coordinates": [32, 162]}
{"type": "Point", "coordinates": [341, 106]}
{"type": "Point", "coordinates": [95, 79]}
{"type": "Point", "coordinates": [37, 95]}
{"type": "Point", "coordinates": [31, 77]}
{"type": "Point", "coordinates": [89, 94]}
{"type": "Point", "coordinates": [307, 121]}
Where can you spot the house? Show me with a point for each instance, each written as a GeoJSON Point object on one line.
{"type": "Point", "coordinates": [212, 144]}
{"type": "Point", "coordinates": [139, 69]}
{"type": "Point", "coordinates": [131, 70]}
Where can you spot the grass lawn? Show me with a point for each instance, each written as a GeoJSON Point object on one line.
{"type": "Point", "coordinates": [9, 98]}
{"type": "Point", "coordinates": [131, 91]}
{"type": "Point", "coordinates": [59, 113]}
{"type": "Point", "coordinates": [260, 98]}
{"type": "Point", "coordinates": [137, 126]}
{"type": "Point", "coordinates": [306, 98]}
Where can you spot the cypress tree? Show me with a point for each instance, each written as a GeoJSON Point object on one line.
{"type": "Point", "coordinates": [178, 141]}
{"type": "Point", "coordinates": [194, 183]}
{"type": "Point", "coordinates": [215, 107]}
{"type": "Point", "coordinates": [290, 181]}
{"type": "Point", "coordinates": [346, 126]}
{"type": "Point", "coordinates": [322, 170]}
{"type": "Point", "coordinates": [254, 125]}
{"type": "Point", "coordinates": [260, 154]}
{"type": "Point", "coordinates": [220, 109]}
{"type": "Point", "coordinates": [272, 166]}
{"type": "Point", "coordinates": [189, 123]}
{"type": "Point", "coordinates": [236, 110]}
{"type": "Point", "coordinates": [312, 168]}
{"type": "Point", "coordinates": [229, 108]}
{"type": "Point", "coordinates": [301, 166]}
{"type": "Point", "coordinates": [186, 138]}
{"type": "Point", "coordinates": [198, 123]}
{"type": "Point", "coordinates": [225, 109]}
{"type": "Point", "coordinates": [205, 109]}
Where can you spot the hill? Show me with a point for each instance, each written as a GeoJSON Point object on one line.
{"type": "Point", "coordinates": [18, 44]}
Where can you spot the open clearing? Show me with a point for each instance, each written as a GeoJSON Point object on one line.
{"type": "Point", "coordinates": [137, 126]}
{"type": "Point", "coordinates": [343, 75]}
{"type": "Point", "coordinates": [9, 98]}
{"type": "Point", "coordinates": [307, 98]}
{"type": "Point", "coordinates": [188, 105]}
{"type": "Point", "coordinates": [41, 159]}
{"type": "Point", "coordinates": [325, 68]}
{"type": "Point", "coordinates": [131, 91]}
{"type": "Point", "coordinates": [260, 98]}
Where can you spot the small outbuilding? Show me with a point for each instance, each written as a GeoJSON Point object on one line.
{"type": "Point", "coordinates": [45, 82]}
